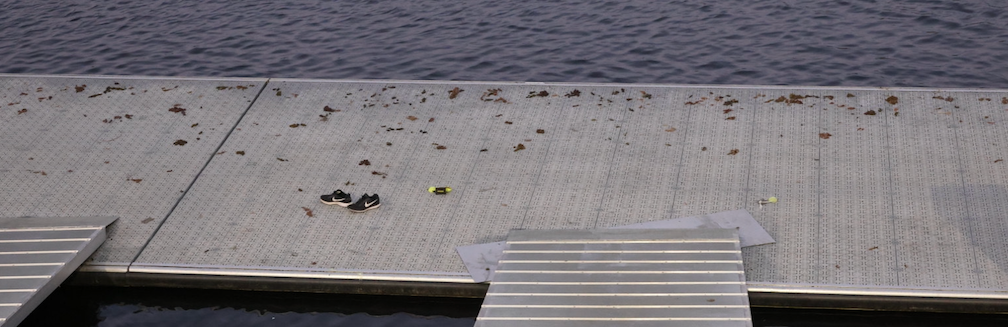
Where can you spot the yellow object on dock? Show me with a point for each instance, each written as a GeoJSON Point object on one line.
{"type": "Point", "coordinates": [439, 190]}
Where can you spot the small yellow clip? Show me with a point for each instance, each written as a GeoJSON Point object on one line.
{"type": "Point", "coordinates": [773, 199]}
{"type": "Point", "coordinates": [439, 190]}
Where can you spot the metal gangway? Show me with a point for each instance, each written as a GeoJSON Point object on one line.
{"type": "Point", "coordinates": [38, 254]}
{"type": "Point", "coordinates": [656, 277]}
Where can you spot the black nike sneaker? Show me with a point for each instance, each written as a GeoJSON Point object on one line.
{"type": "Point", "coordinates": [337, 198]}
{"type": "Point", "coordinates": [366, 202]}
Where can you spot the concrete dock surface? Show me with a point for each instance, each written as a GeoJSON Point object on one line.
{"type": "Point", "coordinates": [882, 191]}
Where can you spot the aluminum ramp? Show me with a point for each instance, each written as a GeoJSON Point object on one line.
{"type": "Point", "coordinates": [37, 255]}
{"type": "Point", "coordinates": [619, 278]}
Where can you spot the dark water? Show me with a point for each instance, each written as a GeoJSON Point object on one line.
{"type": "Point", "coordinates": [99, 306]}
{"type": "Point", "coordinates": [933, 43]}
{"type": "Point", "coordinates": [89, 306]}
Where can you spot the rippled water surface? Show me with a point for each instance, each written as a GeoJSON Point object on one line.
{"type": "Point", "coordinates": [936, 43]}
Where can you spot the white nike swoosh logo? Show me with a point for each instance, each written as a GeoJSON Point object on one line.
{"type": "Point", "coordinates": [369, 203]}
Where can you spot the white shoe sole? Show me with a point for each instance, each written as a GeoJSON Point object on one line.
{"type": "Point", "coordinates": [367, 209]}
{"type": "Point", "coordinates": [342, 204]}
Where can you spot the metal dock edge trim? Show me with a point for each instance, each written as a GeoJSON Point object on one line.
{"type": "Point", "coordinates": [753, 288]}
{"type": "Point", "coordinates": [845, 290]}
{"type": "Point", "coordinates": [105, 267]}
{"type": "Point", "coordinates": [137, 77]}
{"type": "Point", "coordinates": [607, 319]}
{"type": "Point", "coordinates": [281, 284]}
{"type": "Point", "coordinates": [277, 272]}
{"type": "Point", "coordinates": [759, 295]}
{"type": "Point", "coordinates": [636, 85]}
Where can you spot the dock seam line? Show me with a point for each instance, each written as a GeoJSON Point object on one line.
{"type": "Point", "coordinates": [405, 164]}
{"type": "Point", "coordinates": [749, 167]}
{"type": "Point", "coordinates": [200, 173]}
{"type": "Point", "coordinates": [819, 192]}
{"type": "Point", "coordinates": [967, 220]}
{"type": "Point", "coordinates": [539, 170]}
{"type": "Point", "coordinates": [612, 162]}
{"type": "Point", "coordinates": [682, 154]}
{"type": "Point", "coordinates": [472, 168]}
{"type": "Point", "coordinates": [892, 203]}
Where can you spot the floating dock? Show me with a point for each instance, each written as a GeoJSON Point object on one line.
{"type": "Point", "coordinates": [884, 193]}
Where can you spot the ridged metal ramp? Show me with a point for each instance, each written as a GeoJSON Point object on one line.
{"type": "Point", "coordinates": [619, 278]}
{"type": "Point", "coordinates": [38, 254]}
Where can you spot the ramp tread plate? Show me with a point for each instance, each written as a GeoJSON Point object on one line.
{"type": "Point", "coordinates": [592, 292]}
{"type": "Point", "coordinates": [29, 271]}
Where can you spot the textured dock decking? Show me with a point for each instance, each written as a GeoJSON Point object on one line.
{"type": "Point", "coordinates": [882, 191]}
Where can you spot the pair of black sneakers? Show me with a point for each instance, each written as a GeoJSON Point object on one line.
{"type": "Point", "coordinates": [365, 203]}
